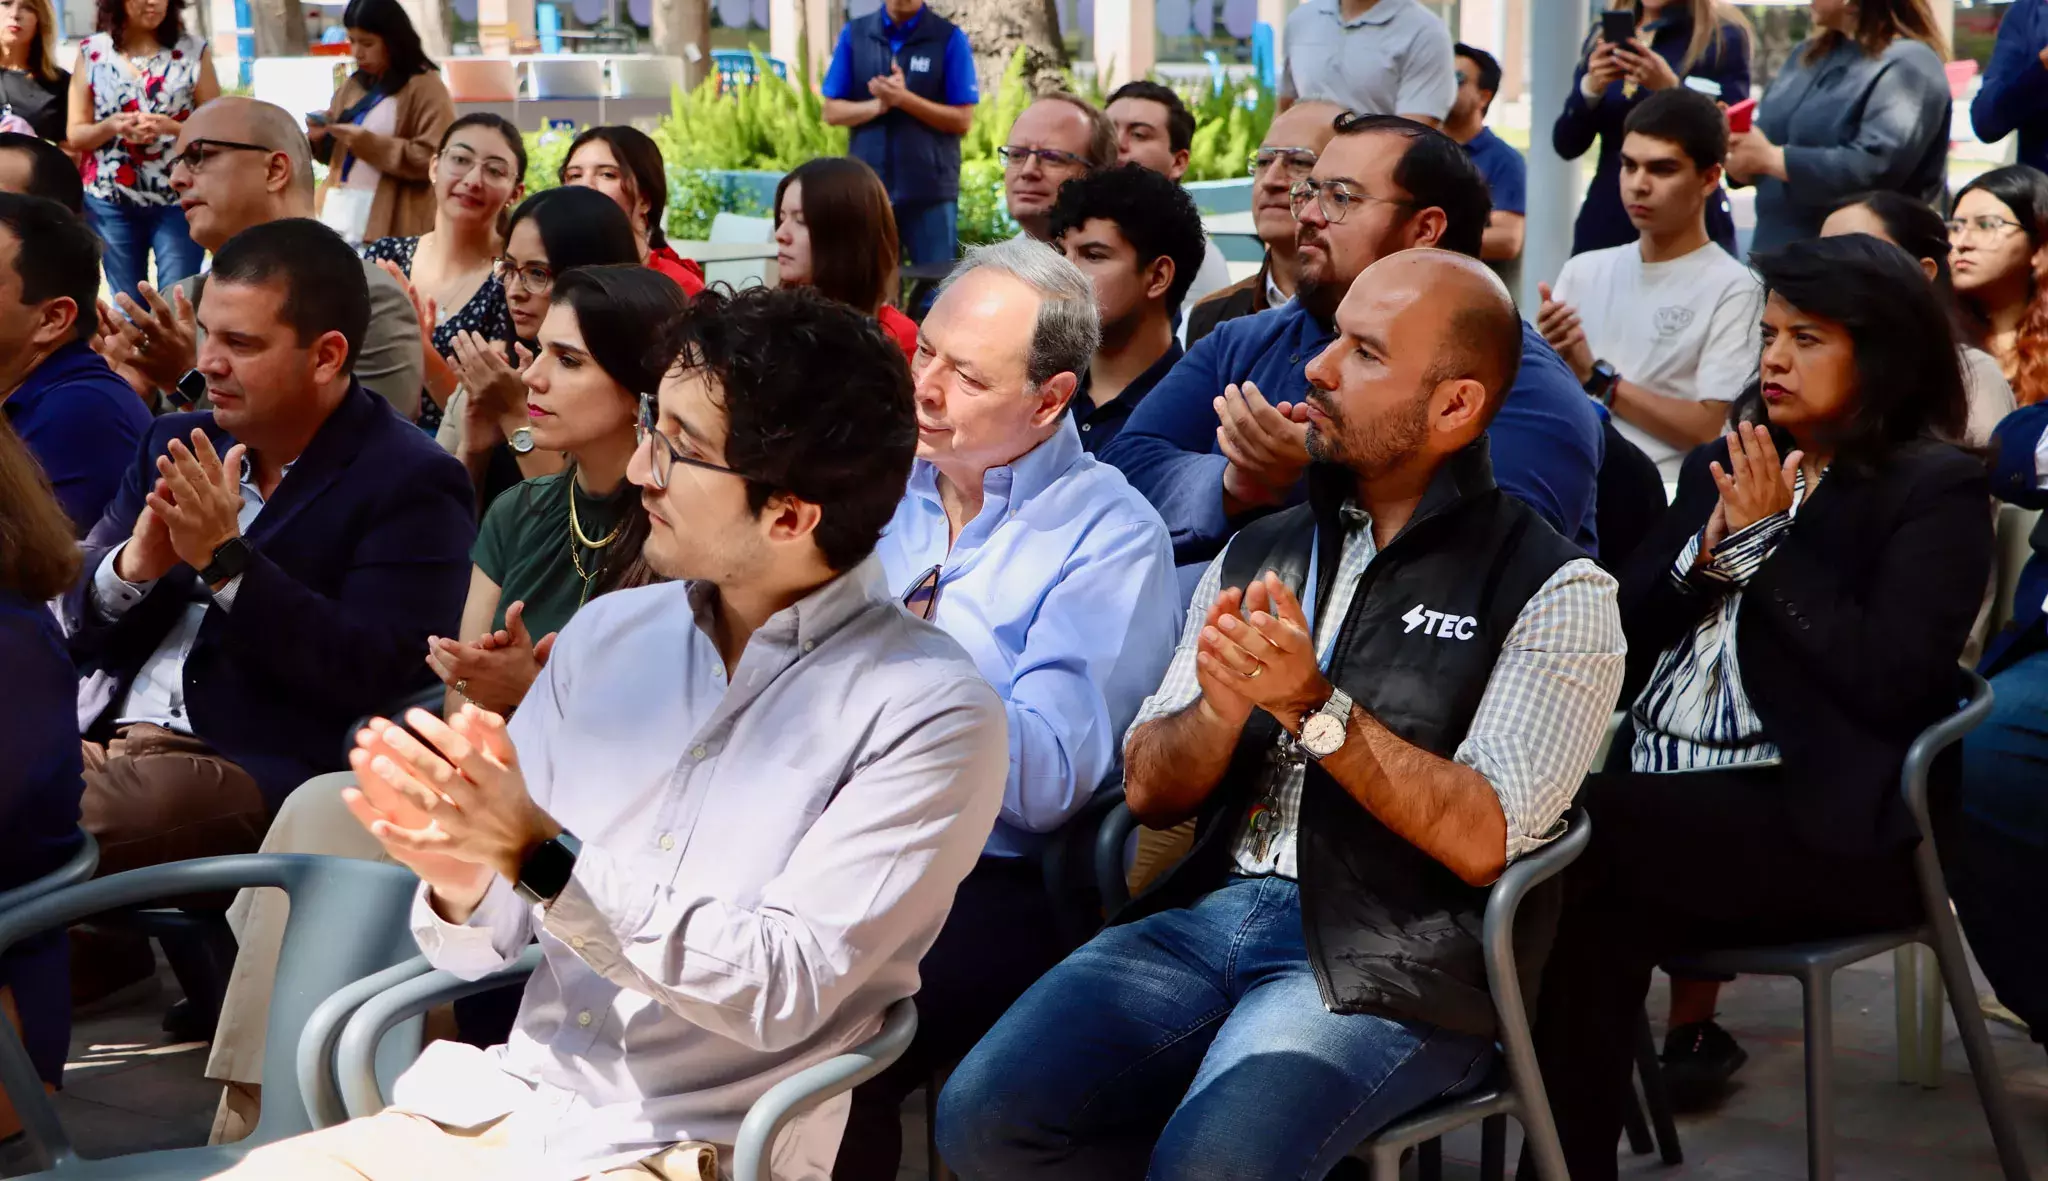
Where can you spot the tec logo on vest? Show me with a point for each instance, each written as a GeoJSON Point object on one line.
{"type": "Point", "coordinates": [1439, 624]}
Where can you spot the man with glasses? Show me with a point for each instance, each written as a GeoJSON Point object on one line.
{"type": "Point", "coordinates": [240, 163]}
{"type": "Point", "coordinates": [1284, 159]}
{"type": "Point", "coordinates": [733, 809]}
{"type": "Point", "coordinates": [1222, 440]}
{"type": "Point", "coordinates": [1058, 580]}
{"type": "Point", "coordinates": [1056, 139]}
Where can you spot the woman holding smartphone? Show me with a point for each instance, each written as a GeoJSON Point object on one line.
{"type": "Point", "coordinates": [1667, 42]}
{"type": "Point", "coordinates": [380, 133]}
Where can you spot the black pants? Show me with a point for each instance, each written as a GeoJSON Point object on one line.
{"type": "Point", "coordinates": [1678, 863]}
{"type": "Point", "coordinates": [999, 939]}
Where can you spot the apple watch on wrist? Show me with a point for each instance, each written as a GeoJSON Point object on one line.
{"type": "Point", "coordinates": [230, 558]}
{"type": "Point", "coordinates": [188, 391]}
{"type": "Point", "coordinates": [1601, 385]}
{"type": "Point", "coordinates": [545, 872]}
{"type": "Point", "coordinates": [1323, 732]}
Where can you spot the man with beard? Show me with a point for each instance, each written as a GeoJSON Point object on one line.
{"type": "Point", "coordinates": [1390, 692]}
{"type": "Point", "coordinates": [1221, 441]}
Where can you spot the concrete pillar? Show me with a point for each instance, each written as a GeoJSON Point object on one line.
{"type": "Point", "coordinates": [1274, 13]}
{"type": "Point", "coordinates": [1126, 40]}
{"type": "Point", "coordinates": [1553, 181]}
{"type": "Point", "coordinates": [810, 19]}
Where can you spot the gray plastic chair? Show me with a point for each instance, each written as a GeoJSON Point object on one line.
{"type": "Point", "coordinates": [348, 919]}
{"type": "Point", "coordinates": [1516, 1089]}
{"type": "Point", "coordinates": [79, 868]}
{"type": "Point", "coordinates": [379, 1015]}
{"type": "Point", "coordinates": [1814, 964]}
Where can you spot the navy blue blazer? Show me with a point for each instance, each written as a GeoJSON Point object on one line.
{"type": "Point", "coordinates": [2014, 480]}
{"type": "Point", "coordinates": [359, 556]}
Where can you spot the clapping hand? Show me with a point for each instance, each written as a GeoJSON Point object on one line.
{"type": "Point", "coordinates": [159, 338]}
{"type": "Point", "coordinates": [889, 88]}
{"type": "Point", "coordinates": [1266, 444]}
{"type": "Point", "coordinates": [203, 507]}
{"type": "Point", "coordinates": [1755, 484]}
{"type": "Point", "coordinates": [1268, 657]}
{"type": "Point", "coordinates": [497, 668]}
{"type": "Point", "coordinates": [1559, 324]}
{"type": "Point", "coordinates": [440, 376]}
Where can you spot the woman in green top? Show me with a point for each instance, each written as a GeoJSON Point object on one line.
{"type": "Point", "coordinates": [552, 543]}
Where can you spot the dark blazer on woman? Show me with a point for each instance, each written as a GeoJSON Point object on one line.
{"type": "Point", "coordinates": [1848, 634]}
{"type": "Point", "coordinates": [1602, 220]}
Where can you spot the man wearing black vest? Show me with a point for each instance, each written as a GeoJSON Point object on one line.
{"type": "Point", "coordinates": [1312, 970]}
{"type": "Point", "coordinates": [902, 77]}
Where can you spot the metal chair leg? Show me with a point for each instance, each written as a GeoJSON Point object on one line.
{"type": "Point", "coordinates": [1817, 985]}
{"type": "Point", "coordinates": [1634, 1126]}
{"type": "Point", "coordinates": [1931, 1025]}
{"type": "Point", "coordinates": [1655, 1098]}
{"type": "Point", "coordinates": [1962, 999]}
{"type": "Point", "coordinates": [1429, 1160]}
{"type": "Point", "coordinates": [1905, 971]}
{"type": "Point", "coordinates": [1493, 1148]}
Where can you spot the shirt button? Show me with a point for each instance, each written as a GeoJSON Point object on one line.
{"type": "Point", "coordinates": [667, 842]}
{"type": "Point", "coordinates": [576, 941]}
{"type": "Point", "coordinates": [697, 751]}
{"type": "Point", "coordinates": [583, 1018]}
{"type": "Point", "coordinates": [1087, 426]}
{"type": "Point", "coordinates": [1294, 358]}
{"type": "Point", "coordinates": [810, 645]}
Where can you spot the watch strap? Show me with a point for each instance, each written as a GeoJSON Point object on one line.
{"type": "Point", "coordinates": [229, 559]}
{"type": "Point", "coordinates": [546, 871]}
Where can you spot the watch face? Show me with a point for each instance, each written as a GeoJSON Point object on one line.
{"type": "Point", "coordinates": [1321, 735]}
{"type": "Point", "coordinates": [522, 440]}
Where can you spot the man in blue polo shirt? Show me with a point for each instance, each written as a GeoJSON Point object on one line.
{"type": "Point", "coordinates": [902, 77]}
{"type": "Point", "coordinates": [1497, 161]}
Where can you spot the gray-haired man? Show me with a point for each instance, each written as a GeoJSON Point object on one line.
{"type": "Point", "coordinates": [1058, 579]}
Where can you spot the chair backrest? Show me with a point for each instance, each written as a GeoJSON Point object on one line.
{"type": "Point", "coordinates": [550, 78]}
{"type": "Point", "coordinates": [735, 227]}
{"type": "Point", "coordinates": [77, 868]}
{"type": "Point", "coordinates": [2015, 525]}
{"type": "Point", "coordinates": [480, 79]}
{"type": "Point", "coordinates": [646, 77]}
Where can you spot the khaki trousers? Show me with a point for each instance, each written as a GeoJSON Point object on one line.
{"type": "Point", "coordinates": [398, 1146]}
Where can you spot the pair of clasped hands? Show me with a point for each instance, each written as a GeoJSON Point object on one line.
{"type": "Point", "coordinates": [1754, 484]}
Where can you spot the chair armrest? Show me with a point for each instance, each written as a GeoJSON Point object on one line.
{"type": "Point", "coordinates": [317, 1043]}
{"type": "Point", "coordinates": [1975, 707]}
{"type": "Point", "coordinates": [78, 868]}
{"type": "Point", "coordinates": [808, 1088]}
{"type": "Point", "coordinates": [355, 1061]}
{"type": "Point", "coordinates": [1504, 901]}
{"type": "Point", "coordinates": [1110, 839]}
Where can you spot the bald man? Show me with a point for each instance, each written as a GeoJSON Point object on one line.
{"type": "Point", "coordinates": [1388, 694]}
{"type": "Point", "coordinates": [1286, 156]}
{"type": "Point", "coordinates": [241, 163]}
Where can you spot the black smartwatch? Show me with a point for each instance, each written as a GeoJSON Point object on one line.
{"type": "Point", "coordinates": [189, 390]}
{"type": "Point", "coordinates": [229, 559]}
{"type": "Point", "coordinates": [545, 872]}
{"type": "Point", "coordinates": [1601, 385]}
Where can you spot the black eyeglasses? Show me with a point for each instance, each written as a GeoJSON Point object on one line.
{"type": "Point", "coordinates": [1046, 157]}
{"type": "Point", "coordinates": [657, 470]}
{"type": "Point", "coordinates": [922, 599]}
{"type": "Point", "coordinates": [533, 278]}
{"type": "Point", "coordinates": [1298, 162]}
{"type": "Point", "coordinates": [200, 151]}
{"type": "Point", "coordinates": [1333, 197]}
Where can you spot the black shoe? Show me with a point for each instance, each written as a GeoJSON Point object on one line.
{"type": "Point", "coordinates": [1699, 1059]}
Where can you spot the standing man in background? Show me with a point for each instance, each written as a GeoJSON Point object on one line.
{"type": "Point", "coordinates": [1371, 57]}
{"type": "Point", "coordinates": [1505, 172]}
{"type": "Point", "coordinates": [902, 77]}
{"type": "Point", "coordinates": [2014, 93]}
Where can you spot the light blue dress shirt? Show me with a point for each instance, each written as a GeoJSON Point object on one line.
{"type": "Point", "coordinates": [1062, 590]}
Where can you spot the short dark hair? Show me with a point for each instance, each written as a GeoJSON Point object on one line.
{"type": "Point", "coordinates": [1909, 377]}
{"type": "Point", "coordinates": [1180, 122]}
{"type": "Point", "coordinates": [641, 158]}
{"type": "Point", "coordinates": [325, 289]}
{"type": "Point", "coordinates": [1489, 66]}
{"type": "Point", "coordinates": [55, 256]}
{"type": "Point", "coordinates": [817, 403]}
{"type": "Point", "coordinates": [853, 230]}
{"type": "Point", "coordinates": [1436, 172]}
{"type": "Point", "coordinates": [1685, 117]}
{"type": "Point", "coordinates": [578, 227]}
{"type": "Point", "coordinates": [111, 17]}
{"type": "Point", "coordinates": [1155, 215]}
{"type": "Point", "coordinates": [51, 174]}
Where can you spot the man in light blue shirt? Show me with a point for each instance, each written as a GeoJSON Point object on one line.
{"type": "Point", "coordinates": [1058, 579]}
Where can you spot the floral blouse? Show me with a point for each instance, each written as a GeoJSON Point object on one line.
{"type": "Point", "coordinates": [485, 314]}
{"type": "Point", "coordinates": [165, 83]}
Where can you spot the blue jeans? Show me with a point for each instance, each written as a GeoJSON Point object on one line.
{"type": "Point", "coordinates": [131, 232]}
{"type": "Point", "coordinates": [929, 232]}
{"type": "Point", "coordinates": [1192, 1044]}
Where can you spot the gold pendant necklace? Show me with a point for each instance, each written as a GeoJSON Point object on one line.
{"type": "Point", "coordinates": [579, 541]}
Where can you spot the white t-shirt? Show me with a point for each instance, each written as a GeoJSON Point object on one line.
{"type": "Point", "coordinates": [1686, 328]}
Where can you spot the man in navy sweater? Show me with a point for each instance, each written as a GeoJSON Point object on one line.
{"type": "Point", "coordinates": [1220, 440]}
{"type": "Point", "coordinates": [2014, 93]}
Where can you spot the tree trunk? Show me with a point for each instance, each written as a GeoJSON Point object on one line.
{"type": "Point", "coordinates": [678, 26]}
{"type": "Point", "coordinates": [280, 27]}
{"type": "Point", "coordinates": [432, 26]}
{"type": "Point", "coordinates": [998, 28]}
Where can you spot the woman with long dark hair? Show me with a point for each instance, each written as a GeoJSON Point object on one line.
{"type": "Point", "coordinates": [136, 79]}
{"type": "Point", "coordinates": [379, 135]}
{"type": "Point", "coordinates": [555, 542]}
{"type": "Point", "coordinates": [835, 231]}
{"type": "Point", "coordinates": [1675, 40]}
{"type": "Point", "coordinates": [33, 88]}
{"type": "Point", "coordinates": [1793, 623]}
{"type": "Point", "coordinates": [1998, 231]}
{"type": "Point", "coordinates": [625, 165]}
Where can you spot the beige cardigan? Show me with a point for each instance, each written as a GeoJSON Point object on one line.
{"type": "Point", "coordinates": [404, 204]}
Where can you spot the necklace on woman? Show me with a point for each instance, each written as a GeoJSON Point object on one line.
{"type": "Point", "coordinates": [579, 541]}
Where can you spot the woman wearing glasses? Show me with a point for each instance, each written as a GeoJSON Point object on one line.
{"type": "Point", "coordinates": [488, 424]}
{"type": "Point", "coordinates": [1998, 251]}
{"type": "Point", "coordinates": [379, 134]}
{"type": "Point", "coordinates": [134, 81]}
{"type": "Point", "coordinates": [555, 542]}
{"type": "Point", "coordinates": [475, 175]}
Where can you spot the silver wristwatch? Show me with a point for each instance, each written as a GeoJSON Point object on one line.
{"type": "Point", "coordinates": [1322, 732]}
{"type": "Point", "coordinates": [522, 441]}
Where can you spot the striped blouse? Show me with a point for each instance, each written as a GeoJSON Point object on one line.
{"type": "Point", "coordinates": [1693, 714]}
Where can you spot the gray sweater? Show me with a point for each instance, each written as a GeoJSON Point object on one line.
{"type": "Point", "coordinates": [1850, 123]}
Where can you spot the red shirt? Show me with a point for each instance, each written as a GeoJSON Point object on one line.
{"type": "Point", "coordinates": [900, 327]}
{"type": "Point", "coordinates": [686, 273]}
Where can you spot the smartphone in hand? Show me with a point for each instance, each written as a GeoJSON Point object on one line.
{"type": "Point", "coordinates": [1741, 115]}
{"type": "Point", "coordinates": [316, 119]}
{"type": "Point", "coordinates": [1617, 26]}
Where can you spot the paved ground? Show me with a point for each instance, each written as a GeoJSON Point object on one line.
{"type": "Point", "coordinates": [127, 1089]}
